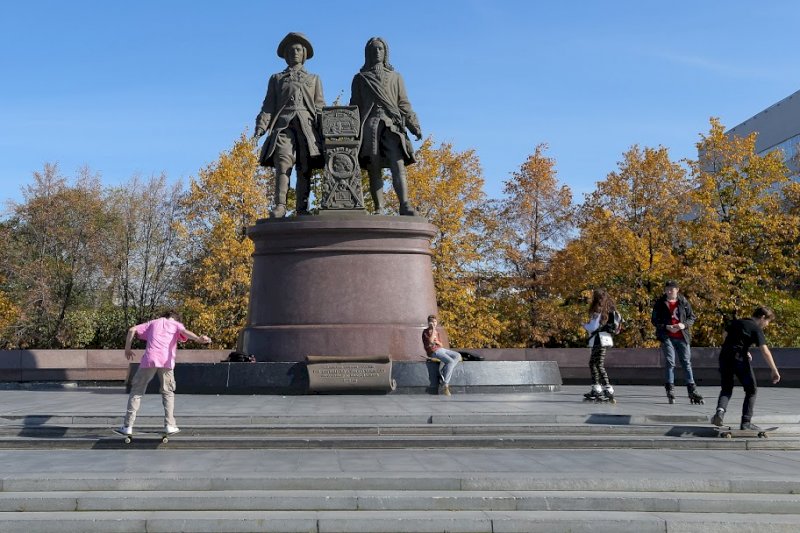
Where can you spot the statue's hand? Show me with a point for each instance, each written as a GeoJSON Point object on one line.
{"type": "Point", "coordinates": [258, 133]}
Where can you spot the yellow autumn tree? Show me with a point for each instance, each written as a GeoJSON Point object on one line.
{"type": "Point", "coordinates": [534, 219]}
{"type": "Point", "coordinates": [446, 187]}
{"type": "Point", "coordinates": [629, 227]}
{"type": "Point", "coordinates": [229, 195]}
{"type": "Point", "coordinates": [740, 231]}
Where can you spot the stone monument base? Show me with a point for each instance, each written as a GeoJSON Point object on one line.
{"type": "Point", "coordinates": [411, 378]}
{"type": "Point", "coordinates": [346, 285]}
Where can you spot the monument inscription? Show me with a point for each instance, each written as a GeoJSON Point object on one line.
{"type": "Point", "coordinates": [348, 373]}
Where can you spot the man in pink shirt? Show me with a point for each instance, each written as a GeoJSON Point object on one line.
{"type": "Point", "coordinates": [162, 336]}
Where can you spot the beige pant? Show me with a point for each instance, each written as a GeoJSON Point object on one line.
{"type": "Point", "coordinates": [139, 384]}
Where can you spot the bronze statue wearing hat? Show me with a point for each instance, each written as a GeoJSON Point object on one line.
{"type": "Point", "coordinates": [380, 94]}
{"type": "Point", "coordinates": [290, 115]}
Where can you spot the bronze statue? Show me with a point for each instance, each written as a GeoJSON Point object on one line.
{"type": "Point", "coordinates": [380, 94]}
{"type": "Point", "coordinates": [290, 114]}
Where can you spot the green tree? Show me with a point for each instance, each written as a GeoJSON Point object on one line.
{"type": "Point", "coordinates": [57, 258]}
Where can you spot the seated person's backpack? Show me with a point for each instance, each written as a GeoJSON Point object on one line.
{"type": "Point", "coordinates": [239, 357]}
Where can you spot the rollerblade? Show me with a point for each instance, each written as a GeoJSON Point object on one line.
{"type": "Point", "coordinates": [694, 396]}
{"type": "Point", "coordinates": [595, 395]}
{"type": "Point", "coordinates": [670, 388]}
{"type": "Point", "coordinates": [608, 392]}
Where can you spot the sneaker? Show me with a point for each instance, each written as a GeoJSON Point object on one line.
{"type": "Point", "coordinates": [446, 390]}
{"type": "Point", "coordinates": [717, 418]}
{"type": "Point", "coordinates": [750, 426]}
{"type": "Point", "coordinates": [126, 431]}
{"type": "Point", "coordinates": [171, 430]}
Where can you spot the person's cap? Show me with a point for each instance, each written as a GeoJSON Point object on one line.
{"type": "Point", "coordinates": [292, 38]}
{"type": "Point", "coordinates": [671, 284]}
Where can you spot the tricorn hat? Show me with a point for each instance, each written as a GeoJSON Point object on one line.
{"type": "Point", "coordinates": [290, 39]}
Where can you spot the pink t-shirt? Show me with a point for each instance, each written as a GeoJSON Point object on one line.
{"type": "Point", "coordinates": [162, 336]}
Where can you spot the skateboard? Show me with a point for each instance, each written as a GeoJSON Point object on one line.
{"type": "Point", "coordinates": [129, 438]}
{"type": "Point", "coordinates": [729, 432]}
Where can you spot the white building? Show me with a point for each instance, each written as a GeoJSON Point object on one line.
{"type": "Point", "coordinates": [778, 127]}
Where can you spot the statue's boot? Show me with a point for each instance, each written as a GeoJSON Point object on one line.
{"type": "Point", "coordinates": [376, 190]}
{"type": "Point", "coordinates": [302, 191]}
{"type": "Point", "coordinates": [401, 189]}
{"type": "Point", "coordinates": [281, 189]}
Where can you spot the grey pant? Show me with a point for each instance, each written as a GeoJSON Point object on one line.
{"type": "Point", "coordinates": [139, 384]}
{"type": "Point", "coordinates": [448, 361]}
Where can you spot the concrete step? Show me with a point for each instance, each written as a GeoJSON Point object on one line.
{"type": "Point", "coordinates": [598, 431]}
{"type": "Point", "coordinates": [608, 418]}
{"type": "Point", "coordinates": [405, 500]}
{"type": "Point", "coordinates": [372, 481]}
{"type": "Point", "coordinates": [394, 521]}
{"type": "Point", "coordinates": [185, 440]}
{"type": "Point", "coordinates": [298, 430]}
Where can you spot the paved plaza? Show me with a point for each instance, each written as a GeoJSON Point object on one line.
{"type": "Point", "coordinates": [541, 462]}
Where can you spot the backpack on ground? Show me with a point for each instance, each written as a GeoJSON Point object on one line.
{"type": "Point", "coordinates": [239, 357]}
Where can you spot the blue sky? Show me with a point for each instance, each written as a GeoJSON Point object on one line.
{"type": "Point", "coordinates": [164, 86]}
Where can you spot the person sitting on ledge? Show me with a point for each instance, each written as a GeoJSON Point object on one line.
{"type": "Point", "coordinates": [448, 359]}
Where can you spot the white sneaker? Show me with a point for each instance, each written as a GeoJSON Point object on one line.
{"type": "Point", "coordinates": [124, 430]}
{"type": "Point", "coordinates": [171, 430]}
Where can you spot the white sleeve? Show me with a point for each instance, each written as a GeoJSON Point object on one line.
{"type": "Point", "coordinates": [593, 324]}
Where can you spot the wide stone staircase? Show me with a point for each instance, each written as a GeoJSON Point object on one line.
{"type": "Point", "coordinates": [362, 500]}
{"type": "Point", "coordinates": [393, 504]}
{"type": "Point", "coordinates": [602, 430]}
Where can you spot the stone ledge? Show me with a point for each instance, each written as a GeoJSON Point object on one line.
{"type": "Point", "coordinates": [411, 377]}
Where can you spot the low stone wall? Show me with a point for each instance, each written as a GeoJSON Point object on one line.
{"type": "Point", "coordinates": [625, 365]}
{"type": "Point", "coordinates": [645, 366]}
{"type": "Point", "coordinates": [81, 365]}
{"type": "Point", "coordinates": [410, 377]}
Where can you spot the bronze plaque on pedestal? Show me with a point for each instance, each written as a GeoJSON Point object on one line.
{"type": "Point", "coordinates": [343, 374]}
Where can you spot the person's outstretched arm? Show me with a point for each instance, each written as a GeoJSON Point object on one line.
{"type": "Point", "coordinates": [201, 339]}
{"type": "Point", "coordinates": [776, 376]}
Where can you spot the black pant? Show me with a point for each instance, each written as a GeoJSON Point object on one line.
{"type": "Point", "coordinates": [597, 365]}
{"type": "Point", "coordinates": [730, 366]}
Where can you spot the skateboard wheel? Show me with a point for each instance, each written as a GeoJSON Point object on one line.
{"type": "Point", "coordinates": [164, 440]}
{"type": "Point", "coordinates": [728, 436]}
{"type": "Point", "coordinates": [127, 440]}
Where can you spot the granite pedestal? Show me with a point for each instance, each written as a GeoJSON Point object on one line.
{"type": "Point", "coordinates": [346, 285]}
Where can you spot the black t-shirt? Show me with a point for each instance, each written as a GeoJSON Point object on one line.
{"type": "Point", "coordinates": [741, 335]}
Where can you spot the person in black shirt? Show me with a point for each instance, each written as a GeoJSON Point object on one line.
{"type": "Point", "coordinates": [734, 360]}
